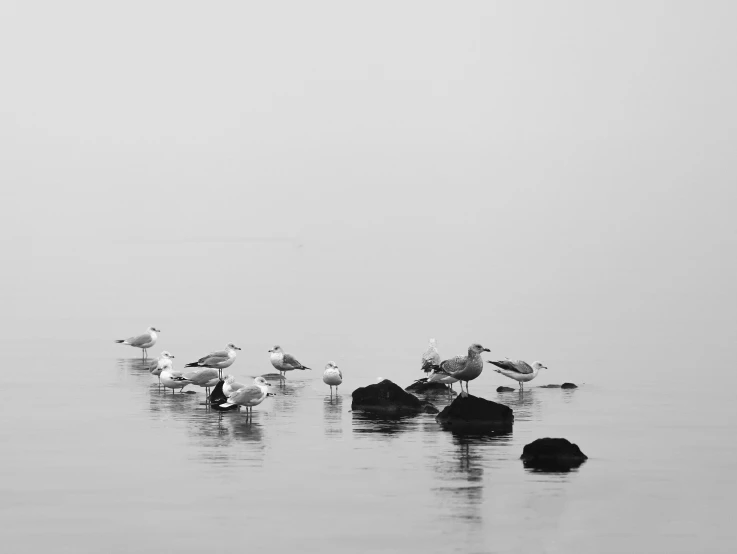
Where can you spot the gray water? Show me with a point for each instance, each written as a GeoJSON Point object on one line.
{"type": "Point", "coordinates": [97, 458]}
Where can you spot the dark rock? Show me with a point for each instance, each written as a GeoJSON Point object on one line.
{"type": "Point", "coordinates": [549, 387]}
{"type": "Point", "coordinates": [568, 386]}
{"type": "Point", "coordinates": [552, 454]}
{"type": "Point", "coordinates": [428, 408]}
{"type": "Point", "coordinates": [386, 398]}
{"type": "Point", "coordinates": [421, 386]}
{"type": "Point", "coordinates": [474, 413]}
{"type": "Point", "coordinates": [505, 389]}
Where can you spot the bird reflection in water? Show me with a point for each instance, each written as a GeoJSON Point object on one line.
{"type": "Point", "coordinates": [525, 403]}
{"type": "Point", "coordinates": [332, 411]}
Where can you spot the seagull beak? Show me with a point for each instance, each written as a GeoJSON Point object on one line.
{"type": "Point", "coordinates": [268, 384]}
{"type": "Point", "coordinates": [171, 356]}
{"type": "Point", "coordinates": [486, 350]}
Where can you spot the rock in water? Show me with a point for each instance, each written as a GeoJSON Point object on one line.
{"type": "Point", "coordinates": [421, 386]}
{"type": "Point", "coordinates": [568, 386]}
{"type": "Point", "coordinates": [505, 389]}
{"type": "Point", "coordinates": [474, 413]}
{"type": "Point", "coordinates": [552, 455]}
{"type": "Point", "coordinates": [387, 398]}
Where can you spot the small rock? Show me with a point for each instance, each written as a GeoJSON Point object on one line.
{"type": "Point", "coordinates": [505, 389]}
{"type": "Point", "coordinates": [552, 454]}
{"type": "Point", "coordinates": [474, 413]}
{"type": "Point", "coordinates": [549, 386]}
{"type": "Point", "coordinates": [568, 386]}
{"type": "Point", "coordinates": [428, 408]}
{"type": "Point", "coordinates": [422, 386]}
{"type": "Point", "coordinates": [386, 398]}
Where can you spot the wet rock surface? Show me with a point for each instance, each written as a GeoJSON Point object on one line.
{"type": "Point", "coordinates": [473, 413]}
{"type": "Point", "coordinates": [552, 454]}
{"type": "Point", "coordinates": [422, 386]}
{"type": "Point", "coordinates": [387, 397]}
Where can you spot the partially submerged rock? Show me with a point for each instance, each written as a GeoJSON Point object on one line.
{"type": "Point", "coordinates": [568, 386]}
{"type": "Point", "coordinates": [388, 398]}
{"type": "Point", "coordinates": [422, 386]}
{"type": "Point", "coordinates": [552, 455]}
{"type": "Point", "coordinates": [474, 413]}
{"type": "Point", "coordinates": [505, 389]}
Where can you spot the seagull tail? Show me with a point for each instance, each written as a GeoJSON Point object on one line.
{"type": "Point", "coordinates": [193, 364]}
{"type": "Point", "coordinates": [120, 341]}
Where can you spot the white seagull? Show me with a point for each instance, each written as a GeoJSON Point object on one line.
{"type": "Point", "coordinates": [164, 361]}
{"type": "Point", "coordinates": [431, 357]}
{"type": "Point", "coordinates": [218, 360]}
{"type": "Point", "coordinates": [250, 396]}
{"type": "Point", "coordinates": [173, 380]}
{"type": "Point", "coordinates": [332, 376]}
{"type": "Point", "coordinates": [465, 368]}
{"type": "Point", "coordinates": [518, 370]}
{"type": "Point", "coordinates": [206, 377]}
{"type": "Point", "coordinates": [144, 341]}
{"type": "Point", "coordinates": [284, 362]}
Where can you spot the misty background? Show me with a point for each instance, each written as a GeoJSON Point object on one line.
{"type": "Point", "coordinates": [554, 180]}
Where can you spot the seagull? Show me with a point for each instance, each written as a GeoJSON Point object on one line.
{"type": "Point", "coordinates": [230, 385]}
{"type": "Point", "coordinates": [465, 368]}
{"type": "Point", "coordinates": [431, 358]}
{"type": "Point", "coordinates": [173, 380]}
{"type": "Point", "coordinates": [218, 360]}
{"type": "Point", "coordinates": [144, 341]}
{"type": "Point", "coordinates": [518, 370]}
{"type": "Point", "coordinates": [332, 376]}
{"type": "Point", "coordinates": [206, 377]}
{"type": "Point", "coordinates": [164, 361]}
{"type": "Point", "coordinates": [436, 376]}
{"type": "Point", "coordinates": [284, 362]}
{"type": "Point", "coordinates": [250, 396]}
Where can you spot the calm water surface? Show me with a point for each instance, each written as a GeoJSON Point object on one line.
{"type": "Point", "coordinates": [97, 458]}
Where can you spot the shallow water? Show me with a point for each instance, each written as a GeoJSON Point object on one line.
{"type": "Point", "coordinates": [99, 458]}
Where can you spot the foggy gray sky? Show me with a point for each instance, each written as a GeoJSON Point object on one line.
{"type": "Point", "coordinates": [565, 169]}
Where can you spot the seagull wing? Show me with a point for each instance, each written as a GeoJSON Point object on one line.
{"type": "Point", "coordinates": [518, 366]}
{"type": "Point", "coordinates": [139, 340]}
{"type": "Point", "coordinates": [291, 361]}
{"type": "Point", "coordinates": [453, 365]}
{"type": "Point", "coordinates": [213, 358]}
{"type": "Point", "coordinates": [246, 394]}
{"type": "Point", "coordinates": [430, 358]}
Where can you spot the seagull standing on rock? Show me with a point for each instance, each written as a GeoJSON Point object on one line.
{"type": "Point", "coordinates": [218, 360]}
{"type": "Point", "coordinates": [431, 357]}
{"type": "Point", "coordinates": [465, 368]}
{"type": "Point", "coordinates": [144, 341]}
{"type": "Point", "coordinates": [518, 370]}
{"type": "Point", "coordinates": [284, 362]}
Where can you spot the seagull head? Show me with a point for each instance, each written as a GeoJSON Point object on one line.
{"type": "Point", "coordinates": [154, 329]}
{"type": "Point", "coordinates": [331, 365]}
{"type": "Point", "coordinates": [276, 348]}
{"type": "Point", "coordinates": [261, 382]}
{"type": "Point", "coordinates": [167, 354]}
{"type": "Point", "coordinates": [538, 366]}
{"type": "Point", "coordinates": [232, 346]}
{"type": "Point", "coordinates": [476, 348]}
{"type": "Point", "coordinates": [432, 342]}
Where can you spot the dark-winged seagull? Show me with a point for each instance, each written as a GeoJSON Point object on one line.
{"type": "Point", "coordinates": [465, 368]}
